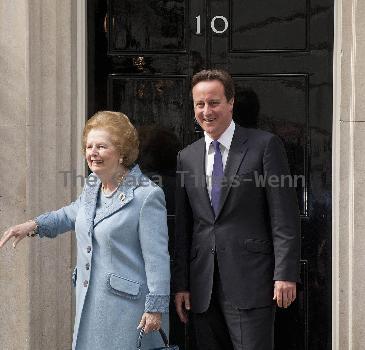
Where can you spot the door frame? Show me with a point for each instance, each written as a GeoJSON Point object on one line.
{"type": "Point", "coordinates": [343, 164]}
{"type": "Point", "coordinates": [337, 44]}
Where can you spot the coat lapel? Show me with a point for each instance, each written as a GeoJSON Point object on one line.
{"type": "Point", "coordinates": [91, 196]}
{"type": "Point", "coordinates": [123, 196]}
{"type": "Point", "coordinates": [236, 154]}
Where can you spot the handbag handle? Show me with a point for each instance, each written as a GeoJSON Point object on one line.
{"type": "Point", "coordinates": [162, 333]}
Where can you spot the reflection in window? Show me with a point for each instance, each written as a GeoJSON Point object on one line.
{"type": "Point", "coordinates": [147, 25]}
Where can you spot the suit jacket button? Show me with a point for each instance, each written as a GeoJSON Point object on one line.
{"type": "Point", "coordinates": [86, 283]}
{"type": "Point", "coordinates": [88, 249]}
{"type": "Point", "coordinates": [87, 266]}
{"type": "Point", "coordinates": [212, 250]}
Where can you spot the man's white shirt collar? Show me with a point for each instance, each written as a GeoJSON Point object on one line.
{"type": "Point", "coordinates": [225, 139]}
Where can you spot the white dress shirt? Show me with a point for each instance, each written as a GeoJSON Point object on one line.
{"type": "Point", "coordinates": [225, 141]}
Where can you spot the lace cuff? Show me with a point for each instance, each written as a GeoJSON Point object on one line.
{"type": "Point", "coordinates": [46, 224]}
{"type": "Point", "coordinates": [157, 303]}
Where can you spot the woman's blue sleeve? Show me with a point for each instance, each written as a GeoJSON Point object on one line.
{"type": "Point", "coordinates": [59, 221]}
{"type": "Point", "coordinates": [153, 237]}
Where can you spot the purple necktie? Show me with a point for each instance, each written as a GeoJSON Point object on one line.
{"type": "Point", "coordinates": [217, 176]}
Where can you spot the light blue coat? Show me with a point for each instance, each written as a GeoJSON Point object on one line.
{"type": "Point", "coordinates": [123, 264]}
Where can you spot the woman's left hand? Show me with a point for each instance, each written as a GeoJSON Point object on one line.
{"type": "Point", "coordinates": [151, 321]}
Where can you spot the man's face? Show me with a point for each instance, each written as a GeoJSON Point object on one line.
{"type": "Point", "coordinates": [212, 110]}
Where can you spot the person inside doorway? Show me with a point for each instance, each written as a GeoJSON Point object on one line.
{"type": "Point", "coordinates": [237, 239]}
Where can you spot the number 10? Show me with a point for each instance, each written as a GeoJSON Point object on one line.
{"type": "Point", "coordinates": [212, 24]}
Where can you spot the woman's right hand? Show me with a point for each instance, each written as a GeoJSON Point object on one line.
{"type": "Point", "coordinates": [18, 232]}
{"type": "Point", "coordinates": [151, 321]}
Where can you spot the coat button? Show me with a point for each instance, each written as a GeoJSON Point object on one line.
{"type": "Point", "coordinates": [88, 249]}
{"type": "Point", "coordinates": [212, 250]}
{"type": "Point", "coordinates": [86, 283]}
{"type": "Point", "coordinates": [87, 266]}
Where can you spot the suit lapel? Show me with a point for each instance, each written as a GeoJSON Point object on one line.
{"type": "Point", "coordinates": [236, 155]}
{"type": "Point", "coordinates": [202, 178]}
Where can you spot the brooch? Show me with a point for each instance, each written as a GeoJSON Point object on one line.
{"type": "Point", "coordinates": [122, 197]}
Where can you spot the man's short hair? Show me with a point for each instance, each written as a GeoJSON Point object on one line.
{"type": "Point", "coordinates": [216, 74]}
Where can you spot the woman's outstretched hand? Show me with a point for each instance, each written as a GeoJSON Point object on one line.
{"type": "Point", "coordinates": [151, 321]}
{"type": "Point", "coordinates": [18, 232]}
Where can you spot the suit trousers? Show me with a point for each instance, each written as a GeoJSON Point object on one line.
{"type": "Point", "coordinates": [225, 327]}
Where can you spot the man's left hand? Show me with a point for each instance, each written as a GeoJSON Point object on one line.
{"type": "Point", "coordinates": [285, 293]}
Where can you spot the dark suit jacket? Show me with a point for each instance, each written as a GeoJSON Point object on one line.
{"type": "Point", "coordinates": [256, 234]}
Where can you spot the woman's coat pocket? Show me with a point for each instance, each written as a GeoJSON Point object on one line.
{"type": "Point", "coordinates": [123, 286]}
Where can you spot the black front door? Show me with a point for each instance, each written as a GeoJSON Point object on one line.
{"type": "Point", "coordinates": [141, 56]}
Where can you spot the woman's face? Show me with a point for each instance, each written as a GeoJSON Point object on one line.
{"type": "Point", "coordinates": [101, 155]}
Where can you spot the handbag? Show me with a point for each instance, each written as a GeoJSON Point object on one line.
{"type": "Point", "coordinates": [164, 338]}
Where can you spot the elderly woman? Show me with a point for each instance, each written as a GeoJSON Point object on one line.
{"type": "Point", "coordinates": [122, 276]}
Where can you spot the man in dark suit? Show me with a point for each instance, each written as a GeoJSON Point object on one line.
{"type": "Point", "coordinates": [237, 236]}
